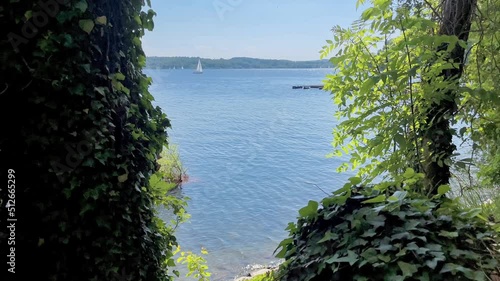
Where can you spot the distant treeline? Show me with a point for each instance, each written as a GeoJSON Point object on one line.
{"type": "Point", "coordinates": [234, 63]}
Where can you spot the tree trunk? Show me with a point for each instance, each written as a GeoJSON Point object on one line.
{"type": "Point", "coordinates": [455, 21]}
{"type": "Point", "coordinates": [79, 140]}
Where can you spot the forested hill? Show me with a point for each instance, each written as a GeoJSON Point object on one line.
{"type": "Point", "coordinates": [240, 62]}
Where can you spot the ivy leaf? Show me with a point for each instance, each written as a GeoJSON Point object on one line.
{"type": "Point", "coordinates": [119, 76]}
{"type": "Point", "coordinates": [86, 25]}
{"type": "Point", "coordinates": [86, 67]}
{"type": "Point", "coordinates": [122, 178]}
{"type": "Point", "coordinates": [383, 248]}
{"type": "Point", "coordinates": [407, 269]}
{"type": "Point", "coordinates": [101, 20]}
{"type": "Point", "coordinates": [328, 236]}
{"type": "Point", "coordinates": [28, 14]}
{"type": "Point", "coordinates": [443, 189]}
{"type": "Point", "coordinates": [378, 199]}
{"type": "Point", "coordinates": [82, 6]}
{"type": "Point", "coordinates": [309, 210]}
{"type": "Point", "coordinates": [452, 234]}
{"type": "Point", "coordinates": [351, 258]}
{"type": "Point", "coordinates": [100, 90]}
{"type": "Point", "coordinates": [384, 258]}
{"type": "Point", "coordinates": [398, 196]}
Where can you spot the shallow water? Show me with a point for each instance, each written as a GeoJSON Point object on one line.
{"type": "Point", "coordinates": [255, 150]}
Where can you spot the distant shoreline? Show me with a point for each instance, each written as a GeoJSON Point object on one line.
{"type": "Point", "coordinates": [233, 63]}
{"type": "Point", "coordinates": [277, 68]}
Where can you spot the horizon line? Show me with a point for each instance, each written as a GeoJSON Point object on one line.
{"type": "Point", "coordinates": [237, 58]}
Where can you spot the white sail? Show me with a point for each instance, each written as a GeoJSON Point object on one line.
{"type": "Point", "coordinates": [199, 68]}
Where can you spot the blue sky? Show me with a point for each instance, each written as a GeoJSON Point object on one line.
{"type": "Point", "coordinates": [280, 29]}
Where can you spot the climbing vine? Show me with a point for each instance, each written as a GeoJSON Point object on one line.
{"type": "Point", "coordinates": [390, 80]}
{"type": "Point", "coordinates": [404, 86]}
{"type": "Point", "coordinates": [84, 138]}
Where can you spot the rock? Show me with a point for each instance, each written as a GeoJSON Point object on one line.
{"type": "Point", "coordinates": [260, 272]}
{"type": "Point", "coordinates": [243, 278]}
{"type": "Point", "coordinates": [256, 272]}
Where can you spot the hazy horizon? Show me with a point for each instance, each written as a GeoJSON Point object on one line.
{"type": "Point", "coordinates": [265, 29]}
{"type": "Point", "coordinates": [232, 58]}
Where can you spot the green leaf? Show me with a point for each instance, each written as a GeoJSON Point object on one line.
{"type": "Point", "coordinates": [351, 258]}
{"type": "Point", "coordinates": [28, 14]}
{"type": "Point", "coordinates": [378, 199]}
{"type": "Point", "coordinates": [449, 234]}
{"type": "Point", "coordinates": [443, 189]}
{"type": "Point", "coordinates": [82, 6]}
{"type": "Point", "coordinates": [355, 180]}
{"type": "Point", "coordinates": [384, 258]}
{"type": "Point", "coordinates": [86, 25]}
{"type": "Point", "coordinates": [86, 67]}
{"type": "Point", "coordinates": [329, 236]}
{"type": "Point", "coordinates": [119, 76]}
{"type": "Point", "coordinates": [407, 269]}
{"type": "Point", "coordinates": [102, 20]}
{"type": "Point", "coordinates": [432, 263]}
{"type": "Point", "coordinates": [409, 173]}
{"type": "Point", "coordinates": [384, 248]}
{"type": "Point", "coordinates": [398, 196]}
{"type": "Point", "coordinates": [101, 90]}
{"type": "Point", "coordinates": [286, 242]}
{"type": "Point", "coordinates": [123, 178]}
{"type": "Point", "coordinates": [310, 210]}
{"type": "Point", "coordinates": [472, 213]}
{"type": "Point", "coordinates": [368, 85]}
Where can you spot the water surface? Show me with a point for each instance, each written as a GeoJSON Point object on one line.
{"type": "Point", "coordinates": [255, 150]}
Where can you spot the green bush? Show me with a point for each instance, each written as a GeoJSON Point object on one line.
{"type": "Point", "coordinates": [171, 165]}
{"type": "Point", "coordinates": [362, 235]}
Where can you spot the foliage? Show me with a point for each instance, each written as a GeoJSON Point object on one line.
{"type": "Point", "coordinates": [233, 63]}
{"type": "Point", "coordinates": [85, 137]}
{"type": "Point", "coordinates": [171, 166]}
{"type": "Point", "coordinates": [196, 264]}
{"type": "Point", "coordinates": [405, 83]}
{"type": "Point", "coordinates": [481, 105]}
{"type": "Point", "coordinates": [491, 208]}
{"type": "Point", "coordinates": [362, 234]}
{"type": "Point", "coordinates": [270, 276]}
{"type": "Point", "coordinates": [387, 82]}
{"type": "Point", "coordinates": [477, 196]}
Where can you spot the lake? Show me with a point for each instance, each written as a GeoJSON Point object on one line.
{"type": "Point", "coordinates": [255, 151]}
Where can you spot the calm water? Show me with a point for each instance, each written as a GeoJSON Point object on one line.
{"type": "Point", "coordinates": [254, 149]}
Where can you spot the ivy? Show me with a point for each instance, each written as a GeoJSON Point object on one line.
{"type": "Point", "coordinates": [402, 78]}
{"type": "Point", "coordinates": [72, 70]}
{"type": "Point", "coordinates": [404, 236]}
{"type": "Point", "coordinates": [388, 83]}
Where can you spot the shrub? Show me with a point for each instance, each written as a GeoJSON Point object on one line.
{"type": "Point", "coordinates": [171, 165]}
{"type": "Point", "coordinates": [362, 235]}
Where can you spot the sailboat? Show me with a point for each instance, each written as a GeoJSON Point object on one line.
{"type": "Point", "coordinates": [199, 69]}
